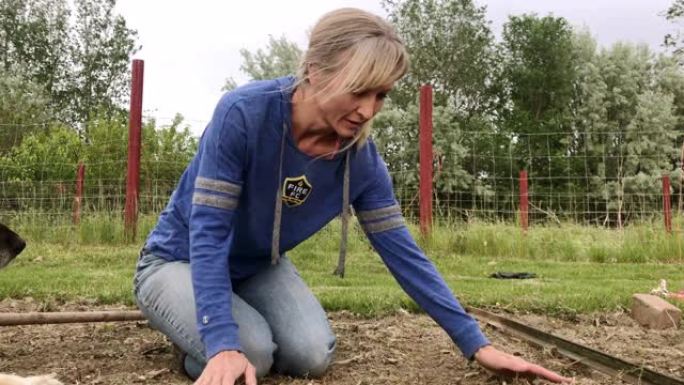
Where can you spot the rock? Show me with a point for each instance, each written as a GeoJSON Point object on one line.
{"type": "Point", "coordinates": [654, 312]}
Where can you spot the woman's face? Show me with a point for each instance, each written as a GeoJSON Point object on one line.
{"type": "Point", "coordinates": [346, 113]}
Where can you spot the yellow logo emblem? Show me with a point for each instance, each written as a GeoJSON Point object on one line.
{"type": "Point", "coordinates": [296, 190]}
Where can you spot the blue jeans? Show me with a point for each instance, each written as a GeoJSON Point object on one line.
{"type": "Point", "coordinates": [282, 326]}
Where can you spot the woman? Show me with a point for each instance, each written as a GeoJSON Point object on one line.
{"type": "Point", "coordinates": [212, 275]}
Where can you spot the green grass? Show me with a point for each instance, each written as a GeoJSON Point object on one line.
{"type": "Point", "coordinates": [94, 229]}
{"type": "Point", "coordinates": [54, 272]}
{"type": "Point", "coordinates": [580, 269]}
{"type": "Point", "coordinates": [647, 242]}
{"type": "Point", "coordinates": [566, 283]}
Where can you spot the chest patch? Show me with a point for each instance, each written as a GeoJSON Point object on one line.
{"type": "Point", "coordinates": [296, 190]}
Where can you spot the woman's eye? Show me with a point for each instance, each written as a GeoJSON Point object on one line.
{"type": "Point", "coordinates": [363, 94]}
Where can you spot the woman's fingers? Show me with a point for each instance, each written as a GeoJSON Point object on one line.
{"type": "Point", "coordinates": [546, 374]}
{"type": "Point", "coordinates": [225, 368]}
{"type": "Point", "coordinates": [250, 375]}
{"type": "Point", "coordinates": [512, 366]}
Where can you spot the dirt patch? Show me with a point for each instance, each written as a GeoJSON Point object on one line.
{"type": "Point", "coordinates": [397, 349]}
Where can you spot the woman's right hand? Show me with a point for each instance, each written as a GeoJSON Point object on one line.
{"type": "Point", "coordinates": [225, 368]}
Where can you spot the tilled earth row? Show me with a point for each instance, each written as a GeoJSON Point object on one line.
{"type": "Point", "coordinates": [398, 349]}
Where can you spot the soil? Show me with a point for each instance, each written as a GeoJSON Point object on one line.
{"type": "Point", "coordinates": [397, 349]}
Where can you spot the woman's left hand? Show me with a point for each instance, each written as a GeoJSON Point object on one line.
{"type": "Point", "coordinates": [511, 366]}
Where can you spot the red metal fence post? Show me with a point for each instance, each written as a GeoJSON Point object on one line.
{"type": "Point", "coordinates": [425, 159]}
{"type": "Point", "coordinates": [524, 195]}
{"type": "Point", "coordinates": [134, 137]}
{"type": "Point", "coordinates": [80, 177]}
{"type": "Point", "coordinates": [667, 210]}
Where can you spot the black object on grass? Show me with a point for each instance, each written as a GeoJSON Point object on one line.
{"type": "Point", "coordinates": [511, 275]}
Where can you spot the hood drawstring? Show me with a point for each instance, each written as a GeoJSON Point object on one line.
{"type": "Point", "coordinates": [275, 240]}
{"type": "Point", "coordinates": [345, 219]}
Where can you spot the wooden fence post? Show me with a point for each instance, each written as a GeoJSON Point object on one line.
{"type": "Point", "coordinates": [134, 138]}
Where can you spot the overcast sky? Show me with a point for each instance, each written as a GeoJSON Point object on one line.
{"type": "Point", "coordinates": [191, 47]}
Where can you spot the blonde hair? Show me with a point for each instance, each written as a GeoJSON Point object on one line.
{"type": "Point", "coordinates": [352, 50]}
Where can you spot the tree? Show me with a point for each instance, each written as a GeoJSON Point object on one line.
{"type": "Point", "coordinates": [48, 155]}
{"type": "Point", "coordinates": [675, 39]}
{"type": "Point", "coordinates": [167, 151]}
{"type": "Point", "coordinates": [34, 36]}
{"type": "Point", "coordinates": [451, 147]}
{"type": "Point", "coordinates": [586, 151]}
{"type": "Point", "coordinates": [280, 58]}
{"type": "Point", "coordinates": [45, 163]}
{"type": "Point", "coordinates": [451, 47]}
{"type": "Point", "coordinates": [101, 49]}
{"type": "Point", "coordinates": [79, 57]}
{"type": "Point", "coordinates": [639, 145]}
{"type": "Point", "coordinates": [670, 80]}
{"type": "Point", "coordinates": [539, 68]}
{"type": "Point", "coordinates": [540, 74]}
{"type": "Point", "coordinates": [23, 109]}
{"type": "Point", "coordinates": [33, 64]}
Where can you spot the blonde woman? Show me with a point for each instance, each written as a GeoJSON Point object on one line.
{"type": "Point", "coordinates": [278, 161]}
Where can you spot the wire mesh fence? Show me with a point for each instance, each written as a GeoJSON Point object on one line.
{"type": "Point", "coordinates": [599, 185]}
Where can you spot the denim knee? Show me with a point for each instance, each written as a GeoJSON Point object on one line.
{"type": "Point", "coordinates": [308, 358]}
{"type": "Point", "coordinates": [256, 340]}
{"type": "Point", "coordinates": [260, 354]}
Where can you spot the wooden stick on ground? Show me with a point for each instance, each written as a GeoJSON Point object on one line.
{"type": "Point", "coordinates": [38, 318]}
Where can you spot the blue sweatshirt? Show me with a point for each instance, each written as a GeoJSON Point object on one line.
{"type": "Point", "coordinates": [220, 217]}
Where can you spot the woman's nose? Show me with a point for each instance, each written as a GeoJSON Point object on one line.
{"type": "Point", "coordinates": [367, 107]}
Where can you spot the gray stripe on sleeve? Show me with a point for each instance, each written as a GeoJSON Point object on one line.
{"type": "Point", "coordinates": [214, 201]}
{"type": "Point", "coordinates": [379, 213]}
{"type": "Point", "coordinates": [384, 225]}
{"type": "Point", "coordinates": [217, 185]}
